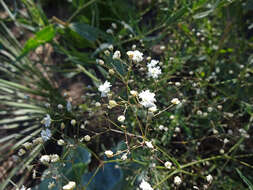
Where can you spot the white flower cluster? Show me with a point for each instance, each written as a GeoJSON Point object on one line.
{"type": "Point", "coordinates": [153, 70]}
{"type": "Point", "coordinates": [145, 185]}
{"type": "Point", "coordinates": [136, 56]}
{"type": "Point", "coordinates": [104, 88]}
{"type": "Point", "coordinates": [147, 99]}
{"type": "Point", "coordinates": [45, 159]}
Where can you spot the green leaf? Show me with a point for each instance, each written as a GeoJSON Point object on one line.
{"type": "Point", "coordinates": [86, 31]}
{"type": "Point", "coordinates": [41, 37]}
{"type": "Point", "coordinates": [245, 180]}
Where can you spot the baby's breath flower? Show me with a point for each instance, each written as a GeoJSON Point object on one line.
{"type": "Point", "coordinates": [46, 134]}
{"type": "Point", "coordinates": [209, 178]}
{"type": "Point", "coordinates": [70, 186]}
{"type": "Point", "coordinates": [54, 158]}
{"type": "Point", "coordinates": [60, 142]}
{"type": "Point", "coordinates": [100, 61]}
{"type": "Point", "coordinates": [161, 127]}
{"type": "Point", "coordinates": [97, 104]}
{"type": "Point", "coordinates": [73, 122]}
{"type": "Point", "coordinates": [109, 153]}
{"type": "Point", "coordinates": [152, 109]}
{"type": "Point", "coordinates": [107, 52]}
{"type": "Point", "coordinates": [168, 165]}
{"type": "Point", "coordinates": [112, 104]}
{"type": "Point", "coordinates": [134, 93]}
{"type": "Point", "coordinates": [110, 47]}
{"type": "Point", "coordinates": [145, 185]}
{"type": "Point", "coordinates": [121, 118]}
{"type": "Point", "coordinates": [177, 180]}
{"type": "Point", "coordinates": [153, 63]}
{"type": "Point", "coordinates": [116, 55]}
{"type": "Point", "coordinates": [59, 106]}
{"type": "Point", "coordinates": [87, 138]}
{"type": "Point", "coordinates": [147, 99]}
{"type": "Point", "coordinates": [104, 88]}
{"type": "Point", "coordinates": [154, 72]}
{"type": "Point", "coordinates": [175, 101]}
{"type": "Point", "coordinates": [45, 159]}
{"type": "Point", "coordinates": [136, 56]}
{"type": "Point", "coordinates": [114, 25]}
{"type": "Point", "coordinates": [109, 31]}
{"type": "Point", "coordinates": [124, 156]}
{"type": "Point", "coordinates": [111, 71]}
{"type": "Point", "coordinates": [149, 144]}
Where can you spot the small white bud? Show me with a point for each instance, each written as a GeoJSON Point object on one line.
{"type": "Point", "coordinates": [87, 138]}
{"type": "Point", "coordinates": [175, 101]}
{"type": "Point", "coordinates": [209, 178]}
{"type": "Point", "coordinates": [121, 118]}
{"type": "Point", "coordinates": [45, 159]}
{"type": "Point", "coordinates": [73, 122]}
{"type": "Point", "coordinates": [168, 165]}
{"type": "Point", "coordinates": [109, 153]}
{"type": "Point", "coordinates": [60, 142]}
{"type": "Point", "coordinates": [177, 180]}
{"type": "Point", "coordinates": [116, 55]}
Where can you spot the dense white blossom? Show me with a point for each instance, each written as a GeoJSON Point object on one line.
{"type": "Point", "coordinates": [70, 186]}
{"type": "Point", "coordinates": [147, 99]}
{"type": "Point", "coordinates": [145, 185]}
{"type": "Point", "coordinates": [104, 88]}
{"type": "Point", "coordinates": [136, 56]}
{"type": "Point", "coordinates": [154, 72]}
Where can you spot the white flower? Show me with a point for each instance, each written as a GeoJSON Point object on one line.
{"type": "Point", "coordinates": [154, 72]}
{"type": "Point", "coordinates": [149, 144]}
{"type": "Point", "coordinates": [73, 122]}
{"type": "Point", "coordinates": [109, 153]}
{"type": "Point", "coordinates": [46, 134]}
{"type": "Point", "coordinates": [145, 185]}
{"type": "Point", "coordinates": [47, 120]}
{"type": "Point", "coordinates": [60, 142]}
{"type": "Point", "coordinates": [121, 118]}
{"type": "Point", "coordinates": [209, 178]}
{"type": "Point", "coordinates": [147, 99]}
{"type": "Point", "coordinates": [87, 138]}
{"type": "Point", "coordinates": [177, 180]}
{"type": "Point", "coordinates": [136, 56]}
{"type": "Point", "coordinates": [168, 165]}
{"type": "Point", "coordinates": [152, 109]}
{"type": "Point", "coordinates": [134, 93]}
{"type": "Point", "coordinates": [45, 159]}
{"type": "Point", "coordinates": [161, 127]}
{"type": "Point", "coordinates": [175, 101]}
{"type": "Point", "coordinates": [124, 156]}
{"type": "Point", "coordinates": [112, 104]}
{"type": "Point", "coordinates": [59, 106]}
{"type": "Point", "coordinates": [153, 63]}
{"type": "Point", "coordinates": [116, 55]}
{"type": "Point", "coordinates": [104, 88]}
{"type": "Point", "coordinates": [54, 158]}
{"type": "Point", "coordinates": [70, 186]}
